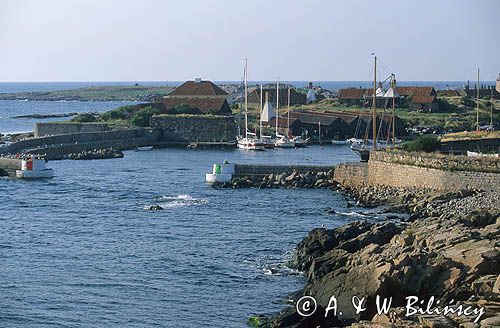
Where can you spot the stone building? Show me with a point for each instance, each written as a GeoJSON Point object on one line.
{"type": "Point", "coordinates": [215, 106]}
{"type": "Point", "coordinates": [198, 94]}
{"type": "Point", "coordinates": [498, 83]}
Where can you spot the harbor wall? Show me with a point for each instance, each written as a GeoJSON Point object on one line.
{"type": "Point", "coordinates": [438, 161]}
{"type": "Point", "coordinates": [351, 175]}
{"type": "Point", "coordinates": [195, 128]}
{"type": "Point", "coordinates": [8, 166]}
{"type": "Point", "coordinates": [120, 139]}
{"type": "Point", "coordinates": [437, 173]}
{"type": "Point", "coordinates": [43, 129]}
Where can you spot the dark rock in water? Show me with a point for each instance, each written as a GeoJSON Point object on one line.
{"type": "Point", "coordinates": [329, 211]}
{"type": "Point", "coordinates": [154, 208]}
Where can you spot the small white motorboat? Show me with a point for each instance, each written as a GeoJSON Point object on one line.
{"type": "Point", "coordinates": [34, 167]}
{"type": "Point", "coordinates": [340, 142]}
{"type": "Point", "coordinates": [299, 142]}
{"type": "Point", "coordinates": [144, 148]}
{"type": "Point", "coordinates": [220, 173]}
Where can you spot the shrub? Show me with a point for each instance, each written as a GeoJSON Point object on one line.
{"type": "Point", "coordinates": [84, 117]}
{"type": "Point", "coordinates": [427, 143]}
{"type": "Point", "coordinates": [445, 106]}
{"type": "Point", "coordinates": [467, 101]}
{"type": "Point", "coordinates": [120, 113]}
{"type": "Point", "coordinates": [142, 116]}
{"type": "Point", "coordinates": [184, 109]}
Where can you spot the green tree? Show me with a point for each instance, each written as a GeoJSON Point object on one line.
{"type": "Point", "coordinates": [142, 116]}
{"type": "Point", "coordinates": [467, 101]}
{"type": "Point", "coordinates": [184, 109]}
{"type": "Point", "coordinates": [427, 143]}
{"type": "Point", "coordinates": [84, 117]}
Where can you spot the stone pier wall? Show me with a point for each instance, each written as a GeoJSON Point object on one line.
{"type": "Point", "coordinates": [44, 129]}
{"type": "Point", "coordinates": [429, 171]}
{"type": "Point", "coordinates": [351, 175]}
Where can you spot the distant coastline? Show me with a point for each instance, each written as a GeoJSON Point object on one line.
{"type": "Point", "coordinates": [146, 91]}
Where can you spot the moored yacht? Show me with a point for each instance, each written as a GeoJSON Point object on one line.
{"type": "Point", "coordinates": [249, 141]}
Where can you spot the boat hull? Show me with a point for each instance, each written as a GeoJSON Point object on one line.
{"type": "Point", "coordinates": [217, 178]}
{"type": "Point", "coordinates": [38, 174]}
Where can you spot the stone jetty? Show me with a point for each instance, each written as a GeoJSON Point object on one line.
{"type": "Point", "coordinates": [291, 179]}
{"type": "Point", "coordinates": [280, 176]}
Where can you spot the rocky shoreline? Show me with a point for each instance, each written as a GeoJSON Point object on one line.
{"type": "Point", "coordinates": [448, 248]}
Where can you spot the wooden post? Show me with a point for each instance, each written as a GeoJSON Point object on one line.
{"type": "Point", "coordinates": [374, 105]}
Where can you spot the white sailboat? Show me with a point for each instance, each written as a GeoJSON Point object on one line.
{"type": "Point", "coordinates": [266, 114]}
{"type": "Point", "coordinates": [363, 149]}
{"type": "Point", "coordinates": [249, 141]}
{"type": "Point", "coordinates": [283, 141]}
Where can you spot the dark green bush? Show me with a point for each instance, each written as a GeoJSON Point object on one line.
{"type": "Point", "coordinates": [467, 101]}
{"type": "Point", "coordinates": [427, 143]}
{"type": "Point", "coordinates": [142, 116]}
{"type": "Point", "coordinates": [120, 113]}
{"type": "Point", "coordinates": [184, 109]}
{"type": "Point", "coordinates": [445, 106]}
{"type": "Point", "coordinates": [84, 117]}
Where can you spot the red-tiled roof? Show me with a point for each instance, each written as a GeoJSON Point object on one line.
{"type": "Point", "coordinates": [354, 93]}
{"type": "Point", "coordinates": [201, 88]}
{"type": "Point", "coordinates": [206, 105]}
{"type": "Point", "coordinates": [416, 91]}
{"type": "Point", "coordinates": [423, 99]}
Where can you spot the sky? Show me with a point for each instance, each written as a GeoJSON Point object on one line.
{"type": "Point", "coordinates": [313, 40]}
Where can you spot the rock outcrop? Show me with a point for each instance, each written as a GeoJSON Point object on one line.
{"type": "Point", "coordinates": [448, 249]}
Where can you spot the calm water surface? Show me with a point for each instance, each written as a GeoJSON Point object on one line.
{"type": "Point", "coordinates": [80, 250]}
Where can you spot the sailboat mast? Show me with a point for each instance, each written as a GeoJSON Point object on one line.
{"type": "Point", "coordinates": [393, 82]}
{"type": "Point", "coordinates": [277, 103]}
{"type": "Point", "coordinates": [260, 116]}
{"type": "Point", "coordinates": [288, 118]}
{"type": "Point", "coordinates": [491, 108]}
{"type": "Point", "coordinates": [374, 110]}
{"type": "Point", "coordinates": [477, 102]}
{"type": "Point", "coordinates": [246, 99]}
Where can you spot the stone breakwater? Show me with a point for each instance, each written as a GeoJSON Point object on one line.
{"type": "Point", "coordinates": [94, 154]}
{"type": "Point", "coordinates": [290, 179]}
{"type": "Point", "coordinates": [448, 249]}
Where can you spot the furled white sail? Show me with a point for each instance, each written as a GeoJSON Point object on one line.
{"type": "Point", "coordinates": [311, 96]}
{"type": "Point", "coordinates": [391, 93]}
{"type": "Point", "coordinates": [267, 112]}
